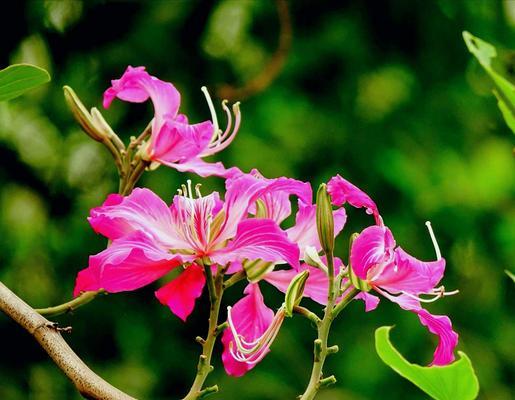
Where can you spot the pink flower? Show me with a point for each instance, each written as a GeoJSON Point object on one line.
{"type": "Point", "coordinates": [150, 239]}
{"type": "Point", "coordinates": [395, 274]}
{"type": "Point", "coordinates": [174, 142]}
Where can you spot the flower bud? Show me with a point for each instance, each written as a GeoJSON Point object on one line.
{"type": "Point", "coordinates": [294, 292]}
{"type": "Point", "coordinates": [312, 258]}
{"type": "Point", "coordinates": [256, 269]}
{"type": "Point", "coordinates": [82, 115]}
{"type": "Point", "coordinates": [325, 219]}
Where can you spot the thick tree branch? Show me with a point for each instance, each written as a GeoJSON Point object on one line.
{"type": "Point", "coordinates": [90, 385]}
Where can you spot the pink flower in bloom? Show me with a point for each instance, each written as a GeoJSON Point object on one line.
{"type": "Point", "coordinates": [395, 274]}
{"type": "Point", "coordinates": [174, 142]}
{"type": "Point", "coordinates": [150, 239]}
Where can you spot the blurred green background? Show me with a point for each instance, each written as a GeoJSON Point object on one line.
{"type": "Point", "coordinates": [384, 93]}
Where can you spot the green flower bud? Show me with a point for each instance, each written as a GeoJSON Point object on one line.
{"type": "Point", "coordinates": [82, 115]}
{"type": "Point", "coordinates": [256, 269]}
{"type": "Point", "coordinates": [325, 219]}
{"type": "Point", "coordinates": [294, 292]}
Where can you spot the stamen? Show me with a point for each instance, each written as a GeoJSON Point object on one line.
{"type": "Point", "coordinates": [184, 190]}
{"type": "Point", "coordinates": [190, 192]}
{"type": "Point", "coordinates": [197, 190]}
{"type": "Point", "coordinates": [179, 192]}
{"type": "Point", "coordinates": [433, 238]}
{"type": "Point", "coordinates": [212, 111]}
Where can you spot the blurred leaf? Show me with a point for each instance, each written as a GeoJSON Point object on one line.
{"type": "Point", "coordinates": [485, 53]}
{"type": "Point", "coordinates": [454, 381]}
{"type": "Point", "coordinates": [18, 79]}
{"type": "Point", "coordinates": [510, 274]}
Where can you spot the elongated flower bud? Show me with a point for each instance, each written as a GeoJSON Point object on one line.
{"type": "Point", "coordinates": [325, 220]}
{"type": "Point", "coordinates": [294, 292]}
{"type": "Point", "coordinates": [82, 115]}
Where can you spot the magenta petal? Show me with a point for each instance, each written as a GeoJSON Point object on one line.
{"type": "Point", "coordinates": [178, 141]}
{"type": "Point", "coordinates": [407, 274]}
{"type": "Point", "coordinates": [374, 246]}
{"type": "Point", "coordinates": [304, 233]}
{"type": "Point", "coordinates": [128, 264]}
{"type": "Point", "coordinates": [440, 325]}
{"type": "Point", "coordinates": [180, 293]}
{"type": "Point", "coordinates": [342, 191]}
{"type": "Point", "coordinates": [203, 168]}
{"type": "Point", "coordinates": [142, 210]}
{"type": "Point", "coordinates": [258, 239]}
{"type": "Point", "coordinates": [251, 319]}
{"type": "Point", "coordinates": [371, 301]}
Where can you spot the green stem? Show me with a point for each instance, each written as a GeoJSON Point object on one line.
{"type": "Point", "coordinates": [238, 276]}
{"type": "Point", "coordinates": [308, 314]}
{"type": "Point", "coordinates": [69, 306]}
{"type": "Point", "coordinates": [204, 367]}
{"type": "Point", "coordinates": [321, 349]}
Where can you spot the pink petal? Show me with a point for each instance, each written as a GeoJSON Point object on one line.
{"type": "Point", "coordinates": [143, 211]}
{"type": "Point", "coordinates": [180, 293]}
{"type": "Point", "coordinates": [176, 142]}
{"type": "Point", "coordinates": [316, 286]}
{"type": "Point", "coordinates": [258, 239]}
{"type": "Point", "coordinates": [371, 301]}
{"type": "Point", "coordinates": [244, 190]}
{"type": "Point", "coordinates": [128, 264]}
{"type": "Point", "coordinates": [407, 274]}
{"type": "Point", "coordinates": [342, 191]}
{"type": "Point", "coordinates": [203, 168]}
{"type": "Point", "coordinates": [251, 319]}
{"type": "Point", "coordinates": [440, 325]}
{"type": "Point", "coordinates": [304, 233]}
{"type": "Point", "coordinates": [373, 247]}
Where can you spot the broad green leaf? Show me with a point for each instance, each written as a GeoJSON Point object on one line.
{"type": "Point", "coordinates": [485, 53]}
{"type": "Point", "coordinates": [19, 78]}
{"type": "Point", "coordinates": [450, 382]}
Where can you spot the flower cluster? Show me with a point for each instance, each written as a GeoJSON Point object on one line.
{"type": "Point", "coordinates": [243, 234]}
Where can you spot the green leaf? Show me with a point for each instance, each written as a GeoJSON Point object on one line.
{"type": "Point", "coordinates": [450, 382]}
{"type": "Point", "coordinates": [510, 274]}
{"type": "Point", "coordinates": [294, 292]}
{"type": "Point", "coordinates": [19, 78]}
{"type": "Point", "coordinates": [505, 93]}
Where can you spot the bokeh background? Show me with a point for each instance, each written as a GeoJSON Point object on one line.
{"type": "Point", "coordinates": [384, 93]}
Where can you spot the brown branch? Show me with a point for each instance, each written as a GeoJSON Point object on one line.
{"type": "Point", "coordinates": [90, 385]}
{"type": "Point", "coordinates": [272, 68]}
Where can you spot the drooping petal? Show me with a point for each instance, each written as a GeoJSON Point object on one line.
{"type": "Point", "coordinates": [304, 233]}
{"type": "Point", "coordinates": [180, 293]}
{"type": "Point", "coordinates": [128, 264]}
{"type": "Point", "coordinates": [258, 239]}
{"type": "Point", "coordinates": [142, 210]}
{"type": "Point", "coordinates": [439, 325]}
{"type": "Point", "coordinates": [342, 191]}
{"type": "Point", "coordinates": [251, 318]}
{"type": "Point", "coordinates": [408, 274]}
{"type": "Point", "coordinates": [374, 246]}
{"type": "Point", "coordinates": [203, 168]}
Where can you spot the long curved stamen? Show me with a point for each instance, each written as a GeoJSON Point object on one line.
{"type": "Point", "coordinates": [438, 293]}
{"type": "Point", "coordinates": [220, 142]}
{"type": "Point", "coordinates": [253, 351]}
{"type": "Point", "coordinates": [216, 132]}
{"type": "Point", "coordinates": [433, 238]}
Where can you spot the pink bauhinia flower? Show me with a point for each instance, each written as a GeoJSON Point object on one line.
{"type": "Point", "coordinates": [149, 239]}
{"type": "Point", "coordinates": [395, 274]}
{"type": "Point", "coordinates": [174, 142]}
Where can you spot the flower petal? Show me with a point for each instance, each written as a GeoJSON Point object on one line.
{"type": "Point", "coordinates": [374, 246]}
{"type": "Point", "coordinates": [408, 274]}
{"type": "Point", "coordinates": [142, 210]}
{"type": "Point", "coordinates": [203, 168]}
{"type": "Point", "coordinates": [180, 293]}
{"type": "Point", "coordinates": [258, 239]}
{"type": "Point", "coordinates": [342, 191]}
{"type": "Point", "coordinates": [305, 233]}
{"type": "Point", "coordinates": [128, 264]}
{"type": "Point", "coordinates": [440, 325]}
{"type": "Point", "coordinates": [371, 301]}
{"type": "Point", "coordinates": [251, 318]}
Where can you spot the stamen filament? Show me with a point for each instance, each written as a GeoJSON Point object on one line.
{"type": "Point", "coordinates": [433, 238]}
{"type": "Point", "coordinates": [212, 111]}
